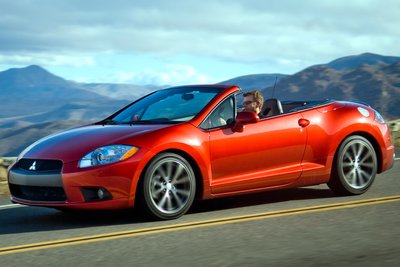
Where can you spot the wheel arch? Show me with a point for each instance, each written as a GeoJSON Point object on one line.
{"type": "Point", "coordinates": [338, 181]}
{"type": "Point", "coordinates": [198, 175]}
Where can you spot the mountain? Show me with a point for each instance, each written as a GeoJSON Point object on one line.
{"type": "Point", "coordinates": [119, 91]}
{"type": "Point", "coordinates": [33, 90]}
{"type": "Point", "coordinates": [29, 77]}
{"type": "Point", "coordinates": [378, 85]}
{"type": "Point", "coordinates": [16, 139]}
{"type": "Point", "coordinates": [254, 81]}
{"type": "Point", "coordinates": [351, 62]}
{"type": "Point", "coordinates": [257, 81]}
{"type": "Point", "coordinates": [367, 77]}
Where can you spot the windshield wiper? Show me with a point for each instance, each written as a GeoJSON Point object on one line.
{"type": "Point", "coordinates": [153, 121]}
{"type": "Point", "coordinates": [107, 122]}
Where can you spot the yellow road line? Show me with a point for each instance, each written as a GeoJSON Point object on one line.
{"type": "Point", "coordinates": [193, 225]}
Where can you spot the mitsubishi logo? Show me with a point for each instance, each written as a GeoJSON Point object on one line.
{"type": "Point", "coordinates": [33, 166]}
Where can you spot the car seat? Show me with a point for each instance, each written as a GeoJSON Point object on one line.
{"type": "Point", "coordinates": [271, 107]}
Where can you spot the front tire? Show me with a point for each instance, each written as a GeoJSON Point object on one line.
{"type": "Point", "coordinates": [168, 187]}
{"type": "Point", "coordinates": [354, 168]}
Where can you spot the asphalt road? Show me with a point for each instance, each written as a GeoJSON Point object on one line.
{"type": "Point", "coordinates": [299, 227]}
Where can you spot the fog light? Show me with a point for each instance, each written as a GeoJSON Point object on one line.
{"type": "Point", "coordinates": [95, 193]}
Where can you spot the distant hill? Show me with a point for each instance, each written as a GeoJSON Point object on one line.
{"type": "Point", "coordinates": [367, 77]}
{"type": "Point", "coordinates": [119, 91]}
{"type": "Point", "coordinates": [31, 90]}
{"type": "Point", "coordinates": [378, 85]}
{"type": "Point", "coordinates": [351, 62]}
{"type": "Point", "coordinates": [16, 139]}
{"type": "Point", "coordinates": [30, 77]}
{"type": "Point", "coordinates": [254, 81]}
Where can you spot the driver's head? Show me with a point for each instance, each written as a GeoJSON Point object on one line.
{"type": "Point", "coordinates": [253, 101]}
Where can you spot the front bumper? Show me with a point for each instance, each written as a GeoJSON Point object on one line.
{"type": "Point", "coordinates": [109, 186]}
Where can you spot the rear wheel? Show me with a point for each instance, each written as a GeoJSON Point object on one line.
{"type": "Point", "coordinates": [168, 187]}
{"type": "Point", "coordinates": [354, 167]}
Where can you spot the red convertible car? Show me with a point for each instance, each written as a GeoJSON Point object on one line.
{"type": "Point", "coordinates": [174, 145]}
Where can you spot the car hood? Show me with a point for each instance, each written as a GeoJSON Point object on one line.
{"type": "Point", "coordinates": [73, 144]}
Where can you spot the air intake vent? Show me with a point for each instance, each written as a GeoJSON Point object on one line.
{"type": "Point", "coordinates": [38, 193]}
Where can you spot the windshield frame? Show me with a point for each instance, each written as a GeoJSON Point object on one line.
{"type": "Point", "coordinates": [198, 96]}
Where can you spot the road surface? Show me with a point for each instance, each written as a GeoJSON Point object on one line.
{"type": "Point", "coordinates": [300, 227]}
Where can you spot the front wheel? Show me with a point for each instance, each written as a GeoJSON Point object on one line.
{"type": "Point", "coordinates": [354, 167]}
{"type": "Point", "coordinates": [168, 187]}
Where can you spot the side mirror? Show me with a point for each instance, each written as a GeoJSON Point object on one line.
{"type": "Point", "coordinates": [244, 117]}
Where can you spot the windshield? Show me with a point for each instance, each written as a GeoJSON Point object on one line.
{"type": "Point", "coordinates": [172, 105]}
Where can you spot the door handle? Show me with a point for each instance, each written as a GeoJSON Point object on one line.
{"type": "Point", "coordinates": [304, 122]}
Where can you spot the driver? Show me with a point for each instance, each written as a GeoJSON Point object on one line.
{"type": "Point", "coordinates": [253, 102]}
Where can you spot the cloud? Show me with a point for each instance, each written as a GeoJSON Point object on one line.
{"type": "Point", "coordinates": [296, 33]}
{"type": "Point", "coordinates": [47, 60]}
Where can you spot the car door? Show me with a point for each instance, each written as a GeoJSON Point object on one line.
{"type": "Point", "coordinates": [266, 154]}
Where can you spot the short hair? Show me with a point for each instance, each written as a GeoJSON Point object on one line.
{"type": "Point", "coordinates": [257, 95]}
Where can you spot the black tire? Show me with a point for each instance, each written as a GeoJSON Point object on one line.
{"type": "Point", "coordinates": [167, 188]}
{"type": "Point", "coordinates": [354, 167]}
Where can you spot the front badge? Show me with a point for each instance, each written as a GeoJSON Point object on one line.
{"type": "Point", "coordinates": [33, 166]}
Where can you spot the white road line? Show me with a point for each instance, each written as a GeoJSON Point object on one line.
{"type": "Point", "coordinates": [10, 206]}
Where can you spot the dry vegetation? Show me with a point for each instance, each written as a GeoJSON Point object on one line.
{"type": "Point", "coordinates": [4, 163]}
{"type": "Point", "coordinates": [395, 130]}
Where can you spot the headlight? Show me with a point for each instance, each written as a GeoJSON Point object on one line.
{"type": "Point", "coordinates": [107, 154]}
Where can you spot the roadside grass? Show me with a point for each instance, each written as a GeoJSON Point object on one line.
{"type": "Point", "coordinates": [4, 163]}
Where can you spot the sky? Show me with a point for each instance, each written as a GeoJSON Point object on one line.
{"type": "Point", "coordinates": [163, 42]}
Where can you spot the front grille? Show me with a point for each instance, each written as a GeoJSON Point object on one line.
{"type": "Point", "coordinates": [40, 165]}
{"type": "Point", "coordinates": [38, 193]}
